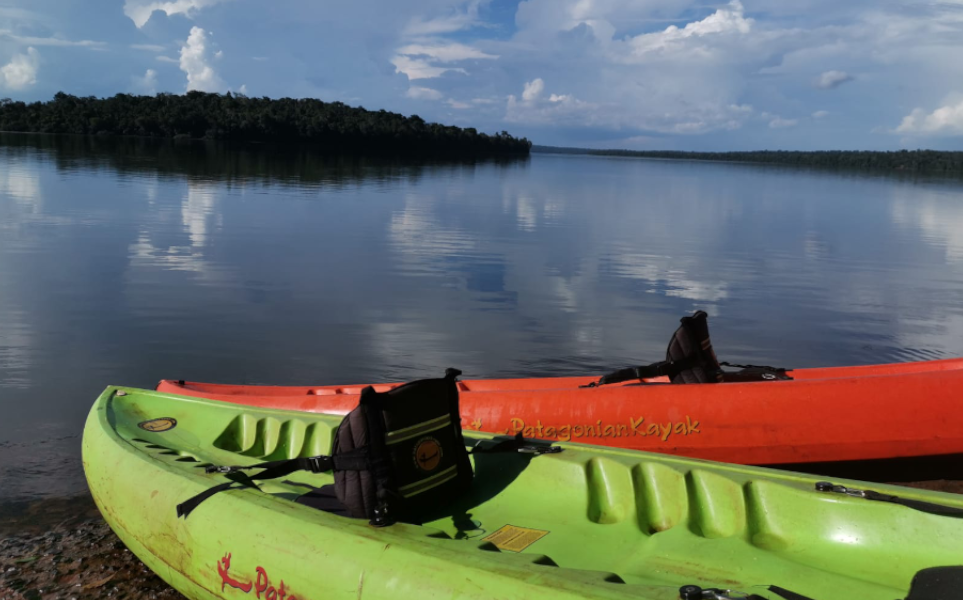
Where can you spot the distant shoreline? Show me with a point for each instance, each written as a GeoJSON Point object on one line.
{"type": "Point", "coordinates": [930, 162]}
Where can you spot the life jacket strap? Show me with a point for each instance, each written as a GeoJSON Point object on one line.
{"type": "Point", "coordinates": [355, 460]}
{"type": "Point", "coordinates": [927, 507]}
{"type": "Point", "coordinates": [665, 368]}
{"type": "Point", "coordinates": [517, 444]}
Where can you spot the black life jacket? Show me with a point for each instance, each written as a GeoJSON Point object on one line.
{"type": "Point", "coordinates": [690, 352]}
{"type": "Point", "coordinates": [398, 455]}
{"type": "Point", "coordinates": [691, 359]}
{"type": "Point", "coordinates": [413, 449]}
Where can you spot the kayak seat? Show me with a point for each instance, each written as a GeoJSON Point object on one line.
{"type": "Point", "coordinates": [324, 498]}
{"type": "Point", "coordinates": [398, 456]}
{"type": "Point", "coordinates": [496, 465]}
{"type": "Point", "coordinates": [691, 359]}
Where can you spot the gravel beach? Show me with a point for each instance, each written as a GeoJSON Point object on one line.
{"type": "Point", "coordinates": [61, 549]}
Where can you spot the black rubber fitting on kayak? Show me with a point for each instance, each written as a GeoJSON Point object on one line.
{"type": "Point", "coordinates": [690, 592]}
{"type": "Point", "coordinates": [824, 486]}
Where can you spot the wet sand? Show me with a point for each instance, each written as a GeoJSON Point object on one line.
{"type": "Point", "coordinates": [61, 549]}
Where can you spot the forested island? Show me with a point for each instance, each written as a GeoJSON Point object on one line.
{"type": "Point", "coordinates": [908, 161]}
{"type": "Point", "coordinates": [332, 126]}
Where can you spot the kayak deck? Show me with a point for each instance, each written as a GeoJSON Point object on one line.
{"type": "Point", "coordinates": [587, 522]}
{"type": "Point", "coordinates": [844, 416]}
{"type": "Point", "coordinates": [543, 383]}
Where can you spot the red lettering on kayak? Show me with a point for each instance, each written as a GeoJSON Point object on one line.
{"type": "Point", "coordinates": [261, 585]}
{"type": "Point", "coordinates": [223, 566]}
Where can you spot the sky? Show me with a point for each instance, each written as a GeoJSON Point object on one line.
{"type": "Point", "coordinates": [639, 74]}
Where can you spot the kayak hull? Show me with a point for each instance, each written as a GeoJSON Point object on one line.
{"type": "Point", "coordinates": [834, 415]}
{"type": "Point", "coordinates": [596, 522]}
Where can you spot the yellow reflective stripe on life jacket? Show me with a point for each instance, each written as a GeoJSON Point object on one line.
{"type": "Point", "coordinates": [400, 435]}
{"type": "Point", "coordinates": [427, 483]}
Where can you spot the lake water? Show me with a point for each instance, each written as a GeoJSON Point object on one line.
{"type": "Point", "coordinates": [127, 261]}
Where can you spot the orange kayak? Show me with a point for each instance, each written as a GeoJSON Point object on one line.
{"type": "Point", "coordinates": [824, 420]}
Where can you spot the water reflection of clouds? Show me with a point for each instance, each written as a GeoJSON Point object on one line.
{"type": "Point", "coordinates": [21, 183]}
{"type": "Point", "coordinates": [198, 216]}
{"type": "Point", "coordinates": [421, 242]}
{"type": "Point", "coordinates": [16, 341]}
{"type": "Point", "coordinates": [198, 210]}
{"type": "Point", "coordinates": [144, 253]}
{"type": "Point", "coordinates": [666, 278]}
{"type": "Point", "coordinates": [526, 213]}
{"type": "Point", "coordinates": [938, 214]}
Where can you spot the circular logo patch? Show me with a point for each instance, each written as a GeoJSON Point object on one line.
{"type": "Point", "coordinates": [427, 454]}
{"type": "Point", "coordinates": [158, 425]}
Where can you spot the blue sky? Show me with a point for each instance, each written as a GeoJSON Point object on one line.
{"type": "Point", "coordinates": [643, 74]}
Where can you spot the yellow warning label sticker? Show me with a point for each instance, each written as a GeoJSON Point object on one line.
{"type": "Point", "coordinates": [515, 539]}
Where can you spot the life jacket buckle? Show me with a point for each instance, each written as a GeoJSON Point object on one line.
{"type": "Point", "coordinates": [319, 464]}
{"type": "Point", "coordinates": [220, 469]}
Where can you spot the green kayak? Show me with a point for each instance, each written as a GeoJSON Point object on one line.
{"type": "Point", "coordinates": [586, 522]}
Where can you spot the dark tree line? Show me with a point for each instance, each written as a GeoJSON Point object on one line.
{"type": "Point", "coordinates": [275, 164]}
{"type": "Point", "coordinates": [334, 126]}
{"type": "Point", "coordinates": [909, 161]}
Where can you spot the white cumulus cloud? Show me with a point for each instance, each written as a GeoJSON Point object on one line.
{"type": "Point", "coordinates": [781, 123]}
{"type": "Point", "coordinates": [947, 119]}
{"type": "Point", "coordinates": [195, 60]}
{"type": "Point", "coordinates": [146, 84]}
{"type": "Point", "coordinates": [416, 68]}
{"type": "Point", "coordinates": [139, 11]}
{"type": "Point", "coordinates": [832, 79]}
{"type": "Point", "coordinates": [820, 114]}
{"type": "Point", "coordinates": [533, 89]}
{"type": "Point", "coordinates": [457, 20]}
{"type": "Point", "coordinates": [556, 109]}
{"type": "Point", "coordinates": [445, 52]}
{"type": "Point", "coordinates": [49, 41]}
{"type": "Point", "coordinates": [148, 47]}
{"type": "Point", "coordinates": [687, 79]}
{"type": "Point", "coordinates": [21, 72]}
{"type": "Point", "coordinates": [727, 20]}
{"type": "Point", "coordinates": [428, 59]}
{"type": "Point", "coordinates": [423, 93]}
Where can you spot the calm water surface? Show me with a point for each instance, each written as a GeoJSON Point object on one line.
{"type": "Point", "coordinates": [124, 262]}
